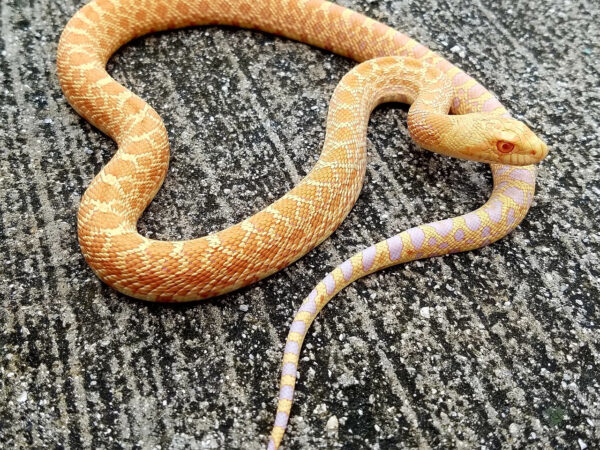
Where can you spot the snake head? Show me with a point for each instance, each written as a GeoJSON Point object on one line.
{"type": "Point", "coordinates": [504, 140]}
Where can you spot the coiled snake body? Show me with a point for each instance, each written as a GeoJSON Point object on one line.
{"type": "Point", "coordinates": [284, 231]}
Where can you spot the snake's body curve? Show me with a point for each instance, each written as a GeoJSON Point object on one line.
{"type": "Point", "coordinates": [286, 230]}
{"type": "Point", "coordinates": [269, 240]}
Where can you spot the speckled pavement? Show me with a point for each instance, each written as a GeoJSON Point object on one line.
{"type": "Point", "coordinates": [496, 348]}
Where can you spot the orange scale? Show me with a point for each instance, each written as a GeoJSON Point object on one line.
{"type": "Point", "coordinates": [107, 271]}
{"type": "Point", "coordinates": [110, 32]}
{"type": "Point", "coordinates": [106, 5]}
{"type": "Point", "coordinates": [79, 39]}
{"type": "Point", "coordinates": [299, 234]}
{"type": "Point", "coordinates": [124, 22]}
{"type": "Point", "coordinates": [133, 104]}
{"type": "Point", "coordinates": [85, 208]}
{"type": "Point", "coordinates": [148, 281]}
{"type": "Point", "coordinates": [285, 205]}
{"type": "Point", "coordinates": [80, 58]}
{"type": "Point", "coordinates": [335, 11]}
{"type": "Point", "coordinates": [433, 73]}
{"type": "Point", "coordinates": [140, 15]}
{"type": "Point", "coordinates": [106, 219]}
{"type": "Point", "coordinates": [132, 260]}
{"type": "Point", "coordinates": [226, 8]}
{"type": "Point", "coordinates": [387, 62]}
{"type": "Point", "coordinates": [90, 14]}
{"type": "Point", "coordinates": [346, 97]}
{"type": "Point", "coordinates": [105, 192]}
{"type": "Point", "coordinates": [112, 88]}
{"type": "Point", "coordinates": [95, 75]}
{"type": "Point", "coordinates": [201, 278]}
{"type": "Point", "coordinates": [159, 250]}
{"type": "Point", "coordinates": [314, 4]}
{"type": "Point", "coordinates": [126, 242]}
{"type": "Point", "coordinates": [412, 63]}
{"type": "Point", "coordinates": [137, 148]}
{"type": "Point", "coordinates": [227, 273]}
{"type": "Point", "coordinates": [94, 240]}
{"type": "Point", "coordinates": [127, 185]}
{"type": "Point", "coordinates": [148, 124]}
{"type": "Point", "coordinates": [104, 42]}
{"type": "Point", "coordinates": [319, 26]}
{"type": "Point", "coordinates": [334, 155]}
{"type": "Point", "coordinates": [161, 9]}
{"type": "Point", "coordinates": [229, 240]}
{"type": "Point", "coordinates": [364, 69]}
{"type": "Point", "coordinates": [264, 219]}
{"type": "Point", "coordinates": [77, 23]}
{"type": "Point", "coordinates": [245, 8]}
{"type": "Point", "coordinates": [352, 81]}
{"type": "Point", "coordinates": [306, 191]}
{"type": "Point", "coordinates": [146, 167]}
{"type": "Point", "coordinates": [357, 19]}
{"type": "Point", "coordinates": [383, 83]}
{"type": "Point", "coordinates": [122, 208]}
{"type": "Point", "coordinates": [112, 273]}
{"type": "Point", "coordinates": [120, 168]}
{"type": "Point", "coordinates": [302, 211]}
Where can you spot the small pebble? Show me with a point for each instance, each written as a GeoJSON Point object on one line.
{"type": "Point", "coordinates": [332, 424]}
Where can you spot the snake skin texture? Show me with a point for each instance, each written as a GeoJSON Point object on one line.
{"type": "Point", "coordinates": [396, 68]}
{"type": "Point", "coordinates": [287, 229]}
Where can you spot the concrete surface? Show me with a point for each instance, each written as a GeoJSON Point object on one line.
{"type": "Point", "coordinates": [496, 348]}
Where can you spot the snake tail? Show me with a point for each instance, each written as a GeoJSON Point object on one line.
{"type": "Point", "coordinates": [513, 192]}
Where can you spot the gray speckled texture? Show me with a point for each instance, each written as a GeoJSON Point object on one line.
{"type": "Point", "coordinates": [507, 355]}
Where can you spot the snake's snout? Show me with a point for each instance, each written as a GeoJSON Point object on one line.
{"type": "Point", "coordinates": [543, 150]}
{"type": "Point", "coordinates": [538, 148]}
{"type": "Point", "coordinates": [524, 146]}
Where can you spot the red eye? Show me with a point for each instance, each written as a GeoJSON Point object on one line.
{"type": "Point", "coordinates": [505, 147]}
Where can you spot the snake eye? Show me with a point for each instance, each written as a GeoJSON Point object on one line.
{"type": "Point", "coordinates": [505, 147]}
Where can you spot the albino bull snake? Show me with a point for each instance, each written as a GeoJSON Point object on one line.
{"type": "Point", "coordinates": [403, 71]}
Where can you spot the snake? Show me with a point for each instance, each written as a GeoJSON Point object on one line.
{"type": "Point", "coordinates": [450, 113]}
